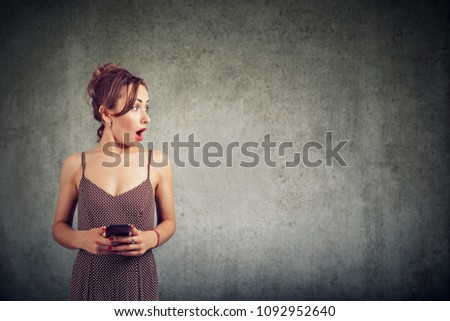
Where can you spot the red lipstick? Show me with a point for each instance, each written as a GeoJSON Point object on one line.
{"type": "Point", "coordinates": [139, 135]}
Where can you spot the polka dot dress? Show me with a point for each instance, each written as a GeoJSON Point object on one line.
{"type": "Point", "coordinates": [114, 277]}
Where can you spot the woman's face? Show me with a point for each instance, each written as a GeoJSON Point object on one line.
{"type": "Point", "coordinates": [129, 127]}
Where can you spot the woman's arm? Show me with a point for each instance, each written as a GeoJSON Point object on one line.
{"type": "Point", "coordinates": [164, 199]}
{"type": "Point", "coordinates": [63, 233]}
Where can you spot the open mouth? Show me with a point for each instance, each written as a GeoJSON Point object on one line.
{"type": "Point", "coordinates": [139, 135]}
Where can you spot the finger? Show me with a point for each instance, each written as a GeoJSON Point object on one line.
{"type": "Point", "coordinates": [134, 240]}
{"type": "Point", "coordinates": [134, 231]}
{"type": "Point", "coordinates": [125, 247]}
{"type": "Point", "coordinates": [101, 231]}
{"type": "Point", "coordinates": [129, 253]}
{"type": "Point", "coordinates": [123, 239]}
{"type": "Point", "coordinates": [105, 248]}
{"type": "Point", "coordinates": [105, 251]}
{"type": "Point", "coordinates": [104, 241]}
{"type": "Point", "coordinates": [130, 239]}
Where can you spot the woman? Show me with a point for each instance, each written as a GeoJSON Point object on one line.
{"type": "Point", "coordinates": [112, 185]}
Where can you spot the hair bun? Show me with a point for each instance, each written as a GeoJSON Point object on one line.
{"type": "Point", "coordinates": [98, 72]}
{"type": "Point", "coordinates": [103, 69]}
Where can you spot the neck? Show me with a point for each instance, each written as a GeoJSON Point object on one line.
{"type": "Point", "coordinates": [108, 145]}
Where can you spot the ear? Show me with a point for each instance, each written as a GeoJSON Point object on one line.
{"type": "Point", "coordinates": [104, 114]}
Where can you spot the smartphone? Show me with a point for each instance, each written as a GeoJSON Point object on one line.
{"type": "Point", "coordinates": [118, 230]}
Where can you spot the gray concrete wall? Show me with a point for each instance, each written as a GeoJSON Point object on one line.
{"type": "Point", "coordinates": [375, 73]}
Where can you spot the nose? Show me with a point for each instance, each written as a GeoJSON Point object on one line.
{"type": "Point", "coordinates": [146, 118]}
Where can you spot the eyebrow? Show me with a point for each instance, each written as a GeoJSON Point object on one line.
{"type": "Point", "coordinates": [141, 100]}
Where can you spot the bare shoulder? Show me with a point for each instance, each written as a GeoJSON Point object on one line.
{"type": "Point", "coordinates": [71, 165]}
{"type": "Point", "coordinates": [73, 160]}
{"type": "Point", "coordinates": [159, 158]}
{"type": "Point", "coordinates": [161, 164]}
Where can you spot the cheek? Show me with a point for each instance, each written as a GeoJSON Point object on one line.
{"type": "Point", "coordinates": [127, 122]}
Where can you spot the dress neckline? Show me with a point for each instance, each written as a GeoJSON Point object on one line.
{"type": "Point", "coordinates": [121, 194]}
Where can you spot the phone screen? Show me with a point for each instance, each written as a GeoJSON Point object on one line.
{"type": "Point", "coordinates": [118, 230]}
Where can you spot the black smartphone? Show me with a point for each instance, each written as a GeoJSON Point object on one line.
{"type": "Point", "coordinates": [118, 230]}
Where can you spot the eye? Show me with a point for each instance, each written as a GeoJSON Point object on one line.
{"type": "Point", "coordinates": [134, 108]}
{"type": "Point", "coordinates": [146, 109]}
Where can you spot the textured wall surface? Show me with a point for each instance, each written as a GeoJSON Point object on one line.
{"type": "Point", "coordinates": [374, 73]}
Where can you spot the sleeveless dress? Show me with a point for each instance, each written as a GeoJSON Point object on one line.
{"type": "Point", "coordinates": [114, 277]}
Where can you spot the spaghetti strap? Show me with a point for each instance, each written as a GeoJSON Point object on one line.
{"type": "Point", "coordinates": [83, 161]}
{"type": "Point", "coordinates": [149, 161]}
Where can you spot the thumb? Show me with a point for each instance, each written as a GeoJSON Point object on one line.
{"type": "Point", "coordinates": [134, 231]}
